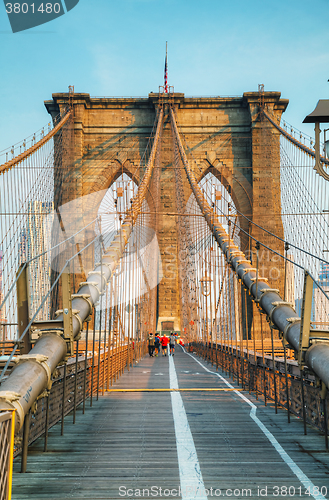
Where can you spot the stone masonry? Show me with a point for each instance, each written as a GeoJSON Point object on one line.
{"type": "Point", "coordinates": [228, 139]}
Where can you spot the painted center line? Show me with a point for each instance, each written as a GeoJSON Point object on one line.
{"type": "Point", "coordinates": [191, 481]}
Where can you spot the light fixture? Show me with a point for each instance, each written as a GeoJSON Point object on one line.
{"type": "Point", "coordinates": [319, 115]}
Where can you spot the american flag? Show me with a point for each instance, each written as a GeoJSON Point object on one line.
{"type": "Point", "coordinates": [166, 73]}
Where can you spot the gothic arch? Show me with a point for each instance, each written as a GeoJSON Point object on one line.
{"type": "Point", "coordinates": [99, 178]}
{"type": "Point", "coordinates": [235, 188]}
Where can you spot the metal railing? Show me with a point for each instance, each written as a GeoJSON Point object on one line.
{"type": "Point", "coordinates": [84, 377]}
{"type": "Point", "coordinates": [273, 379]}
{"type": "Point", "coordinates": [7, 426]}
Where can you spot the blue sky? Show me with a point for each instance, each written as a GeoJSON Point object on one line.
{"type": "Point", "coordinates": [116, 48]}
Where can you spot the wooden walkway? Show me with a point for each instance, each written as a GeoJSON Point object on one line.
{"type": "Point", "coordinates": [129, 441]}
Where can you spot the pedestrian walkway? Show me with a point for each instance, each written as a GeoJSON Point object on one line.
{"type": "Point", "coordinates": [194, 444]}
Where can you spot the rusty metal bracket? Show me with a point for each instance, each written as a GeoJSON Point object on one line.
{"type": "Point", "coordinates": [277, 304]}
{"type": "Point", "coordinates": [45, 393]}
{"type": "Point", "coordinates": [90, 283]}
{"type": "Point", "coordinates": [67, 312]}
{"type": "Point", "coordinates": [85, 297]}
{"type": "Point", "coordinates": [103, 278]}
{"type": "Point", "coordinates": [304, 339]}
{"type": "Point", "coordinates": [291, 321]}
{"type": "Point", "coordinates": [283, 303]}
{"type": "Point", "coordinates": [268, 290]}
{"type": "Point", "coordinates": [256, 280]}
{"type": "Point", "coordinates": [249, 270]}
{"type": "Point", "coordinates": [308, 335]}
{"type": "Point", "coordinates": [41, 360]}
{"type": "Point", "coordinates": [242, 261]}
{"type": "Point", "coordinates": [263, 291]}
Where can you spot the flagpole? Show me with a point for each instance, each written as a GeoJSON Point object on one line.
{"type": "Point", "coordinates": [166, 71]}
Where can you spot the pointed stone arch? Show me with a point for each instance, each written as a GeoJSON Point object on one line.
{"type": "Point", "coordinates": [240, 193]}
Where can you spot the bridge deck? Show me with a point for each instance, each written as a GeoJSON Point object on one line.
{"type": "Point", "coordinates": [137, 440]}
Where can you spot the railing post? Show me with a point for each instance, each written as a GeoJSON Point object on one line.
{"type": "Point", "coordinates": [231, 322]}
{"type": "Point", "coordinates": [241, 339]}
{"type": "Point", "coordinates": [263, 357]}
{"type": "Point", "coordinates": [99, 348]}
{"type": "Point", "coordinates": [7, 434]}
{"type": "Point", "coordinates": [303, 399]}
{"type": "Point", "coordinates": [23, 307]}
{"type": "Point", "coordinates": [255, 357]}
{"type": "Point", "coordinates": [11, 454]}
{"type": "Point", "coordinates": [286, 378]}
{"type": "Point", "coordinates": [242, 366]}
{"type": "Point", "coordinates": [85, 374]}
{"type": "Point", "coordinates": [26, 431]}
{"type": "Point", "coordinates": [245, 305]}
{"type": "Point", "coordinates": [104, 350]}
{"type": "Point", "coordinates": [63, 399]}
{"type": "Point", "coordinates": [46, 423]}
{"type": "Point", "coordinates": [325, 414]}
{"type": "Point", "coordinates": [216, 357]}
{"type": "Point", "coordinates": [93, 361]}
{"type": "Point", "coordinates": [274, 375]}
{"type": "Point", "coordinates": [76, 381]}
{"type": "Point", "coordinates": [323, 396]}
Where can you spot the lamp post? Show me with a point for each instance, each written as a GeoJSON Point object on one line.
{"type": "Point", "coordinates": [326, 144]}
{"type": "Point", "coordinates": [206, 291]}
{"type": "Point", "coordinates": [319, 115]}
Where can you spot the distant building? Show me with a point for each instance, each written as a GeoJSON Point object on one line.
{"type": "Point", "coordinates": [290, 279]}
{"type": "Point", "coordinates": [324, 275]}
{"type": "Point", "coordinates": [320, 304]}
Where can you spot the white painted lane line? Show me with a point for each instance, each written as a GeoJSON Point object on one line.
{"type": "Point", "coordinates": [284, 455]}
{"type": "Point", "coordinates": [191, 481]}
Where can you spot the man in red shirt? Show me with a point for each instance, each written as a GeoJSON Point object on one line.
{"type": "Point", "coordinates": [164, 344]}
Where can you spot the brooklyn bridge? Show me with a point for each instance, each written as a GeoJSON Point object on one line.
{"type": "Point", "coordinates": [200, 218]}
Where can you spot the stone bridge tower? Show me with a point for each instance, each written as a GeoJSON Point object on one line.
{"type": "Point", "coordinates": [228, 138]}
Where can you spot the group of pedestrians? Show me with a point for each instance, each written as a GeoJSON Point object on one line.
{"type": "Point", "coordinates": [156, 343]}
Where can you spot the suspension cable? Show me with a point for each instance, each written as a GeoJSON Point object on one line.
{"type": "Point", "coordinates": [23, 156]}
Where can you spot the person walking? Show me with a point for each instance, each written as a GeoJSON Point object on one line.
{"type": "Point", "coordinates": [157, 344]}
{"type": "Point", "coordinates": [172, 343]}
{"type": "Point", "coordinates": [164, 344]}
{"type": "Point", "coordinates": [151, 344]}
